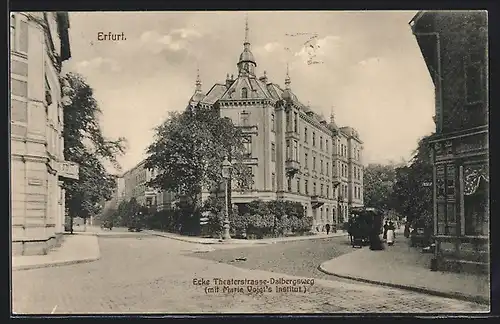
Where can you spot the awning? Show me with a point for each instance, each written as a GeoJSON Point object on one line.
{"type": "Point", "coordinates": [472, 178]}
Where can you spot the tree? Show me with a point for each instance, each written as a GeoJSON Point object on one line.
{"type": "Point", "coordinates": [188, 151]}
{"type": "Point", "coordinates": [412, 198]}
{"type": "Point", "coordinates": [85, 144]}
{"type": "Point", "coordinates": [378, 181]}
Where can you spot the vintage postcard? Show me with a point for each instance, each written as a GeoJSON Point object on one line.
{"type": "Point", "coordinates": [327, 162]}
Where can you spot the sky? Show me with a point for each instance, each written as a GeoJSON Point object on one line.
{"type": "Point", "coordinates": [370, 71]}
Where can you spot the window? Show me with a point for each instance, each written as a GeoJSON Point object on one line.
{"type": "Point", "coordinates": [314, 188]}
{"type": "Point", "coordinates": [314, 139]}
{"type": "Point", "coordinates": [244, 93]}
{"type": "Point", "coordinates": [288, 153]}
{"type": "Point", "coordinates": [288, 121]}
{"type": "Point", "coordinates": [247, 142]}
{"type": "Point", "coordinates": [306, 164]}
{"type": "Point", "coordinates": [322, 186]}
{"type": "Point", "coordinates": [245, 116]}
{"type": "Point", "coordinates": [273, 122]}
{"type": "Point", "coordinates": [327, 191]}
{"type": "Point", "coordinates": [298, 185]}
{"type": "Point", "coordinates": [321, 142]}
{"type": "Point", "coordinates": [289, 180]}
{"type": "Point", "coordinates": [305, 134]}
{"type": "Point", "coordinates": [306, 186]}
{"type": "Point", "coordinates": [321, 166]}
{"type": "Point", "coordinates": [296, 122]}
{"type": "Point", "coordinates": [273, 181]}
{"type": "Point", "coordinates": [296, 151]}
{"type": "Point", "coordinates": [273, 152]}
{"type": "Point", "coordinates": [314, 163]}
{"type": "Point", "coordinates": [326, 146]}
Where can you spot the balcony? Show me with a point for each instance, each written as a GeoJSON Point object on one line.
{"type": "Point", "coordinates": [316, 201]}
{"type": "Point", "coordinates": [249, 129]}
{"type": "Point", "coordinates": [335, 181]}
{"type": "Point", "coordinates": [290, 134]}
{"type": "Point", "coordinates": [292, 167]}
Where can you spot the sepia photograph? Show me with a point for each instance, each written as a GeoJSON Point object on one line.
{"type": "Point", "coordinates": [249, 162]}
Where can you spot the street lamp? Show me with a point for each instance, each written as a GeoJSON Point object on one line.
{"type": "Point", "coordinates": [226, 174]}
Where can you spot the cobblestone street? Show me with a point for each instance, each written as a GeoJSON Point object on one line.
{"type": "Point", "coordinates": [152, 274]}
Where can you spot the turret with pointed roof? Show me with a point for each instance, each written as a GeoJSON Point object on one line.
{"type": "Point", "coordinates": [246, 63]}
{"type": "Point", "coordinates": [198, 93]}
{"type": "Point", "coordinates": [288, 94]}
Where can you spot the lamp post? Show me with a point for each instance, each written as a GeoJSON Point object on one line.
{"type": "Point", "coordinates": [226, 174]}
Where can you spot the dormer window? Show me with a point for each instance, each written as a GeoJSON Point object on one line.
{"type": "Point", "coordinates": [244, 93]}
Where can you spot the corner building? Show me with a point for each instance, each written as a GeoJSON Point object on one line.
{"type": "Point", "coordinates": [454, 46]}
{"type": "Point", "coordinates": [39, 44]}
{"type": "Point", "coordinates": [133, 185]}
{"type": "Point", "coordinates": [293, 153]}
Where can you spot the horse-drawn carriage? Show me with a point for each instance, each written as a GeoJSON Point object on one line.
{"type": "Point", "coordinates": [364, 223]}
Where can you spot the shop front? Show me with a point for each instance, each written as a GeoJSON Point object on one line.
{"type": "Point", "coordinates": [461, 200]}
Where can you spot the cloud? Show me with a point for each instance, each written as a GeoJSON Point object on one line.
{"type": "Point", "coordinates": [186, 33]}
{"type": "Point", "coordinates": [368, 61]}
{"type": "Point", "coordinates": [271, 47]}
{"type": "Point", "coordinates": [98, 63]}
{"type": "Point", "coordinates": [317, 50]}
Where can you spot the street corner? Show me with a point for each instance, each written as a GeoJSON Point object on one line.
{"type": "Point", "coordinates": [75, 249]}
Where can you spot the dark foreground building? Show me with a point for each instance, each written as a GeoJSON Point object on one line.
{"type": "Point", "coordinates": [454, 46]}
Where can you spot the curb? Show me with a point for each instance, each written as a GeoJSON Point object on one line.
{"type": "Point", "coordinates": [249, 243]}
{"type": "Point", "coordinates": [54, 264]}
{"type": "Point", "coordinates": [453, 295]}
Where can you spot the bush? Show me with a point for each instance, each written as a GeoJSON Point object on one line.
{"type": "Point", "coordinates": [239, 223]}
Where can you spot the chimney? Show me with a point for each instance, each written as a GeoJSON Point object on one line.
{"type": "Point", "coordinates": [229, 81]}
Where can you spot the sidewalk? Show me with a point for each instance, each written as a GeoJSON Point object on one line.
{"type": "Point", "coordinates": [201, 240]}
{"type": "Point", "coordinates": [74, 249]}
{"type": "Point", "coordinates": [401, 266]}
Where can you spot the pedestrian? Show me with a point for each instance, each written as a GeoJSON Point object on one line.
{"type": "Point", "coordinates": [327, 229]}
{"type": "Point", "coordinates": [407, 230]}
{"type": "Point", "coordinates": [391, 233]}
{"type": "Point", "coordinates": [386, 227]}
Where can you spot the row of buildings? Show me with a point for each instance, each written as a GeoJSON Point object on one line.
{"type": "Point", "coordinates": [454, 46]}
{"type": "Point", "coordinates": [39, 44]}
{"type": "Point", "coordinates": [293, 153]}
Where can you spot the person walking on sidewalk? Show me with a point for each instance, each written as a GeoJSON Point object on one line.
{"type": "Point", "coordinates": [390, 233]}
{"type": "Point", "coordinates": [327, 229]}
{"type": "Point", "coordinates": [386, 227]}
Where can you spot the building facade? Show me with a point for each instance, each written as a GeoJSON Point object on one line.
{"type": "Point", "coordinates": [454, 46]}
{"type": "Point", "coordinates": [134, 185]}
{"type": "Point", "coordinates": [294, 154]}
{"type": "Point", "coordinates": [39, 44]}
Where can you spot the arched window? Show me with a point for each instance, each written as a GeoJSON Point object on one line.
{"type": "Point", "coordinates": [244, 93]}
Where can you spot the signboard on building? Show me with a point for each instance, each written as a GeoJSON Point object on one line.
{"type": "Point", "coordinates": [69, 170]}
